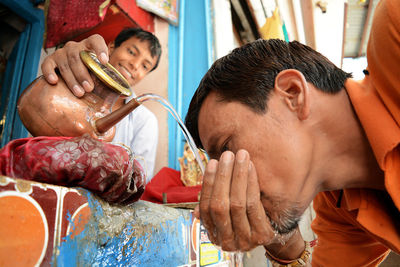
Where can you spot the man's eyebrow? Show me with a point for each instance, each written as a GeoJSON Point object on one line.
{"type": "Point", "coordinates": [136, 49]}
{"type": "Point", "coordinates": [146, 61]}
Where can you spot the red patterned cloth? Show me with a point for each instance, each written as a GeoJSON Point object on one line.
{"type": "Point", "coordinates": [169, 181]}
{"type": "Point", "coordinates": [106, 169]}
{"type": "Point", "coordinates": [66, 19]}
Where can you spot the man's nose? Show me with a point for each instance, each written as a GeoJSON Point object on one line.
{"type": "Point", "coordinates": [134, 64]}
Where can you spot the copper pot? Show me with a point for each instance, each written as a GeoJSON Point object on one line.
{"type": "Point", "coordinates": [52, 110]}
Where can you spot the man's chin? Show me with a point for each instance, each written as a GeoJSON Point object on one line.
{"type": "Point", "coordinates": [285, 221]}
{"type": "Point", "coordinates": [285, 228]}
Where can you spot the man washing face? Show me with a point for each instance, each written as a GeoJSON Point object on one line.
{"type": "Point", "coordinates": [284, 127]}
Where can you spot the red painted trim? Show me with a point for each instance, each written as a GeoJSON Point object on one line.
{"type": "Point", "coordinates": [119, 17]}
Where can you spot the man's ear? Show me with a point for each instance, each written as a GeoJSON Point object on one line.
{"type": "Point", "coordinates": [293, 87]}
{"type": "Point", "coordinates": [111, 47]}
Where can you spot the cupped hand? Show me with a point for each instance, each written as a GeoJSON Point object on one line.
{"type": "Point", "coordinates": [230, 207]}
{"type": "Point", "coordinates": [67, 60]}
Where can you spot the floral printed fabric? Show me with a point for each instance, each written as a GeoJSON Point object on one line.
{"type": "Point", "coordinates": [106, 169]}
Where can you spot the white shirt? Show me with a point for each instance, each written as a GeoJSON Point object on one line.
{"type": "Point", "coordinates": [139, 131]}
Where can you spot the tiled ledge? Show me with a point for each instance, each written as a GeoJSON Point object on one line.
{"type": "Point", "coordinates": [47, 225]}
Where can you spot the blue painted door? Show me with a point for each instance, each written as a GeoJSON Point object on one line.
{"type": "Point", "coordinates": [21, 66]}
{"type": "Point", "coordinates": [190, 56]}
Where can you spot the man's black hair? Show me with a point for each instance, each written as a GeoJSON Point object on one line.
{"type": "Point", "coordinates": [247, 75]}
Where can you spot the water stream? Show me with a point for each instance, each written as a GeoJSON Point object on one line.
{"type": "Point", "coordinates": [172, 111]}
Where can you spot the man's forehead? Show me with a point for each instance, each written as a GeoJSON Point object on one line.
{"type": "Point", "coordinates": [135, 39]}
{"type": "Point", "coordinates": [140, 44]}
{"type": "Point", "coordinates": [209, 110]}
{"type": "Point", "coordinates": [212, 124]}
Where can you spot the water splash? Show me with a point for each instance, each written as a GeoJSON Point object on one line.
{"type": "Point", "coordinates": [174, 114]}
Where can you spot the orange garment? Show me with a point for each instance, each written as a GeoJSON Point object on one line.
{"type": "Point", "coordinates": [365, 224]}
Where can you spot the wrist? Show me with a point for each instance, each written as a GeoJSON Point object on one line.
{"type": "Point", "coordinates": [301, 261]}
{"type": "Point", "coordinates": [291, 250]}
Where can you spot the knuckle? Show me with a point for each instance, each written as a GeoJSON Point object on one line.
{"type": "Point", "coordinates": [252, 207]}
{"type": "Point", "coordinates": [95, 37]}
{"type": "Point", "coordinates": [74, 58]}
{"type": "Point", "coordinates": [209, 175]}
{"type": "Point", "coordinates": [218, 208]}
{"type": "Point", "coordinates": [204, 204]}
{"type": "Point", "coordinates": [63, 67]}
{"type": "Point", "coordinates": [207, 181]}
{"type": "Point", "coordinates": [237, 206]}
{"type": "Point", "coordinates": [228, 244]}
{"type": "Point", "coordinates": [69, 44]}
{"type": "Point", "coordinates": [56, 54]}
{"type": "Point", "coordinates": [243, 243]}
{"type": "Point", "coordinates": [245, 247]}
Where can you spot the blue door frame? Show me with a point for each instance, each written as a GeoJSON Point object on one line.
{"type": "Point", "coordinates": [190, 55]}
{"type": "Point", "coordinates": [21, 67]}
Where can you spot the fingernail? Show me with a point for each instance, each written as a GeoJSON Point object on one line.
{"type": "Point", "coordinates": [241, 155]}
{"type": "Point", "coordinates": [87, 86]}
{"type": "Point", "coordinates": [227, 156]}
{"type": "Point", "coordinates": [52, 78]}
{"type": "Point", "coordinates": [77, 89]}
{"type": "Point", "coordinates": [103, 57]}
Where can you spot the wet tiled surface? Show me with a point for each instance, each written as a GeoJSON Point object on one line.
{"type": "Point", "coordinates": [48, 225]}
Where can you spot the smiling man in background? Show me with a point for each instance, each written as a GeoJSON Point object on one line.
{"type": "Point", "coordinates": [134, 53]}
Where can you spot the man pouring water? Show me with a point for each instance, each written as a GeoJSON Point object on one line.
{"type": "Point", "coordinates": [134, 53]}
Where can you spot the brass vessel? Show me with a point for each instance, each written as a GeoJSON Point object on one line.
{"type": "Point", "coordinates": [53, 110]}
